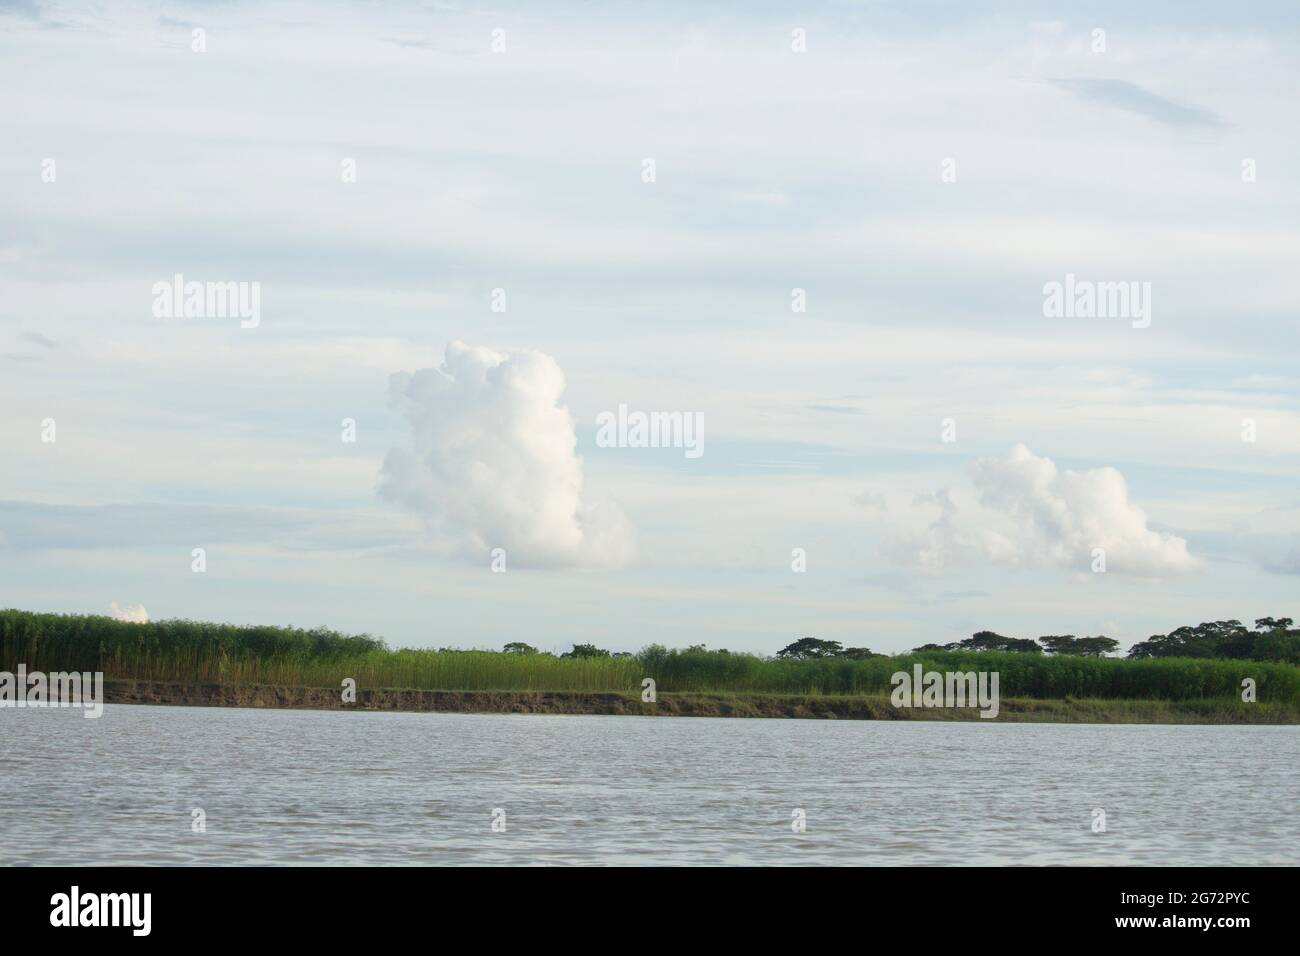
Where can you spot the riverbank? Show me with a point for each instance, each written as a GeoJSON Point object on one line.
{"type": "Point", "coordinates": [824, 707]}
{"type": "Point", "coordinates": [1050, 686]}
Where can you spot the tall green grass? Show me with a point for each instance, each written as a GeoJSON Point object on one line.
{"type": "Point", "coordinates": [1020, 675]}
{"type": "Point", "coordinates": [191, 651]}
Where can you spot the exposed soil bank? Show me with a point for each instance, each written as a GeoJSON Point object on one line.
{"type": "Point", "coordinates": [691, 705]}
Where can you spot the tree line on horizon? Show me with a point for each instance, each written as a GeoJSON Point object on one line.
{"type": "Point", "coordinates": [97, 637]}
{"type": "Point", "coordinates": [1273, 639]}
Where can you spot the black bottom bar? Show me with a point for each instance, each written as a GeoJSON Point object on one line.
{"type": "Point", "coordinates": [209, 906]}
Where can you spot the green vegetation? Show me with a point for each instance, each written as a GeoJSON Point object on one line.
{"type": "Point", "coordinates": [1082, 646]}
{"type": "Point", "coordinates": [988, 641]}
{"type": "Point", "coordinates": [1272, 640]}
{"type": "Point", "coordinates": [810, 648]}
{"type": "Point", "coordinates": [188, 651]}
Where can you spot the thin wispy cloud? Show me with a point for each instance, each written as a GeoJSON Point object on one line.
{"type": "Point", "coordinates": [36, 338]}
{"type": "Point", "coordinates": [1123, 95]}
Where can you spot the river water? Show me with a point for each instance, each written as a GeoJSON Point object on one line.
{"type": "Point", "coordinates": [324, 787]}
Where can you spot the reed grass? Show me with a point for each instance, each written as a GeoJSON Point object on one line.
{"type": "Point", "coordinates": [192, 651]}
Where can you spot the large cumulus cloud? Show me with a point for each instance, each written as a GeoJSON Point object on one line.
{"type": "Point", "coordinates": [1061, 516]}
{"type": "Point", "coordinates": [493, 462]}
{"type": "Point", "coordinates": [1024, 511]}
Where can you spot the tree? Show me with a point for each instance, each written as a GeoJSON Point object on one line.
{"type": "Point", "coordinates": [984, 641]}
{"type": "Point", "coordinates": [1273, 624]}
{"type": "Point", "coordinates": [519, 647]}
{"type": "Point", "coordinates": [809, 648]}
{"type": "Point", "coordinates": [1278, 645]}
{"type": "Point", "coordinates": [1154, 646]}
{"type": "Point", "coordinates": [1068, 644]}
{"type": "Point", "coordinates": [1212, 639]}
{"type": "Point", "coordinates": [585, 650]}
{"type": "Point", "coordinates": [989, 641]}
{"type": "Point", "coordinates": [1060, 644]}
{"type": "Point", "coordinates": [1272, 640]}
{"type": "Point", "coordinates": [1022, 645]}
{"type": "Point", "coordinates": [857, 653]}
{"type": "Point", "coordinates": [1098, 646]}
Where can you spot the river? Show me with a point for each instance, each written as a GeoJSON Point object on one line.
{"type": "Point", "coordinates": [323, 787]}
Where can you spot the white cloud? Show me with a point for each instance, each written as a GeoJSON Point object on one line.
{"type": "Point", "coordinates": [132, 613]}
{"type": "Point", "coordinates": [1060, 517]}
{"type": "Point", "coordinates": [956, 536]}
{"type": "Point", "coordinates": [493, 462]}
{"type": "Point", "coordinates": [1025, 512]}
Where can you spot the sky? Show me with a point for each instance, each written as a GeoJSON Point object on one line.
{"type": "Point", "coordinates": [824, 233]}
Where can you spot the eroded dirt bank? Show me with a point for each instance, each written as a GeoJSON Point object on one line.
{"type": "Point", "coordinates": [684, 705]}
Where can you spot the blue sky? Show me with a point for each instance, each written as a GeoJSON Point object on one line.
{"type": "Point", "coordinates": [522, 170]}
